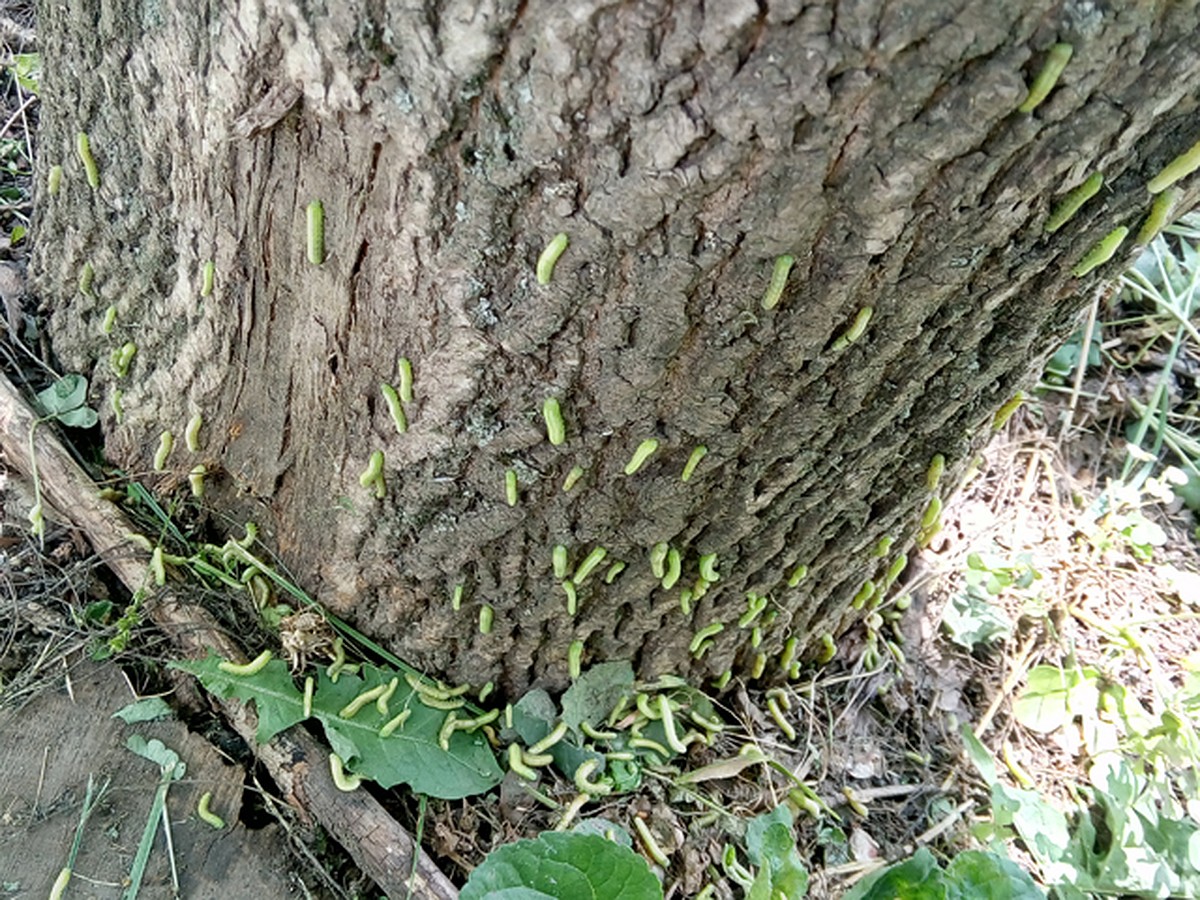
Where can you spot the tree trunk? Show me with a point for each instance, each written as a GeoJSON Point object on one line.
{"type": "Point", "coordinates": [682, 148]}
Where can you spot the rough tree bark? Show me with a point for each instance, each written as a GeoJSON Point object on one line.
{"type": "Point", "coordinates": [683, 147]}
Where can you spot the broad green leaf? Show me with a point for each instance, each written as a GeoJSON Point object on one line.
{"type": "Point", "coordinates": [27, 67]}
{"type": "Point", "coordinates": [563, 866]}
{"type": "Point", "coordinates": [277, 702]}
{"type": "Point", "coordinates": [970, 620]}
{"type": "Point", "coordinates": [145, 710]}
{"type": "Point", "coordinates": [769, 833]}
{"type": "Point", "coordinates": [917, 878]}
{"type": "Point", "coordinates": [81, 417]}
{"type": "Point", "coordinates": [97, 612]}
{"type": "Point", "coordinates": [772, 847]}
{"type": "Point", "coordinates": [761, 887]}
{"type": "Point", "coordinates": [410, 755]}
{"type": "Point", "coordinates": [66, 394]}
{"type": "Point", "coordinates": [534, 717]}
{"type": "Point", "coordinates": [976, 875]}
{"type": "Point", "coordinates": [1040, 825]}
{"type": "Point", "coordinates": [591, 697]}
{"type": "Point", "coordinates": [1112, 775]}
{"type": "Point", "coordinates": [1053, 696]}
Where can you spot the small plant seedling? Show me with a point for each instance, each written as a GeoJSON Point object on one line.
{"type": "Point", "coordinates": [65, 401]}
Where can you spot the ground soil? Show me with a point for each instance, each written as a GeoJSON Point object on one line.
{"type": "Point", "coordinates": [62, 736]}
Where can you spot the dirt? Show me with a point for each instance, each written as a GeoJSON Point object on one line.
{"type": "Point", "coordinates": [51, 746]}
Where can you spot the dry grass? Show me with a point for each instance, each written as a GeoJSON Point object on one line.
{"type": "Point", "coordinates": [1102, 600]}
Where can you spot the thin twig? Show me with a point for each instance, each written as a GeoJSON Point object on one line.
{"type": "Point", "coordinates": [1081, 365]}
{"type": "Point", "coordinates": [166, 825]}
{"type": "Point", "coordinates": [1015, 675]}
{"type": "Point", "coordinates": [941, 827]}
{"type": "Point", "coordinates": [37, 797]}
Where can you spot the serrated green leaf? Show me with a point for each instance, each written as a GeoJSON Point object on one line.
{"type": "Point", "coordinates": [769, 833]}
{"type": "Point", "coordinates": [1041, 826]}
{"type": "Point", "coordinates": [277, 702]}
{"type": "Point", "coordinates": [563, 866]}
{"type": "Point", "coordinates": [626, 775]}
{"type": "Point", "coordinates": [410, 755]}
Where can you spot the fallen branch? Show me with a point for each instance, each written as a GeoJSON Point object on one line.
{"type": "Point", "coordinates": [297, 763]}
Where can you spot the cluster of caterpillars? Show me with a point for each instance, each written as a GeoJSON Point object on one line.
{"type": "Point", "coordinates": [666, 562]}
{"type": "Point", "coordinates": [1160, 187]}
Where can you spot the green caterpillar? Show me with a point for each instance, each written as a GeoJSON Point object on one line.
{"type": "Point", "coordinates": [573, 476]}
{"type": "Point", "coordinates": [1160, 214]}
{"type": "Point", "coordinates": [84, 147]}
{"type": "Point", "coordinates": [373, 475]}
{"type": "Point", "coordinates": [315, 216]}
{"type": "Point", "coordinates": [694, 460]}
{"type": "Point", "coordinates": [1180, 167]}
{"type": "Point", "coordinates": [1056, 60]}
{"type": "Point", "coordinates": [549, 257]}
{"type": "Point", "coordinates": [392, 399]}
{"type": "Point", "coordinates": [1104, 250]}
{"type": "Point", "coordinates": [856, 330]}
{"type": "Point", "coordinates": [643, 452]}
{"type": "Point", "coordinates": [589, 563]}
{"type": "Point", "coordinates": [1073, 201]}
{"type": "Point", "coordinates": [779, 277]}
{"type": "Point", "coordinates": [556, 429]}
